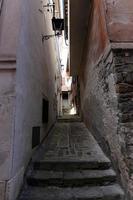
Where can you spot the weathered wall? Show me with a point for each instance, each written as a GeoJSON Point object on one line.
{"type": "Point", "coordinates": [96, 42]}
{"type": "Point", "coordinates": [29, 71]}
{"type": "Point", "coordinates": [119, 20]}
{"type": "Point", "coordinates": [7, 107]}
{"type": "Point", "coordinates": [9, 29]}
{"type": "Point", "coordinates": [106, 86]}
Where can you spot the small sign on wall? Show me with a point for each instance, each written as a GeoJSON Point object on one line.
{"type": "Point", "coordinates": [35, 136]}
{"type": "Point", "coordinates": [45, 111]}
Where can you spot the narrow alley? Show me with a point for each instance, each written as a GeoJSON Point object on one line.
{"type": "Point", "coordinates": [70, 165]}
{"type": "Point", "coordinates": [66, 99]}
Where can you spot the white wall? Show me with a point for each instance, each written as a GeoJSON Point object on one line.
{"type": "Point", "coordinates": [9, 30]}
{"type": "Point", "coordinates": [27, 82]}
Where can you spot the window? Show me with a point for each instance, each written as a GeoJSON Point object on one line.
{"type": "Point", "coordinates": [65, 95]}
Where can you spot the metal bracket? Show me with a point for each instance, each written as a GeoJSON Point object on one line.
{"type": "Point", "coordinates": [41, 11]}
{"type": "Point", "coordinates": [48, 5]}
{"type": "Point", "coordinates": [47, 37]}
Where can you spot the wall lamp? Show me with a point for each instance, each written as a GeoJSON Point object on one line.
{"type": "Point", "coordinates": [57, 24]}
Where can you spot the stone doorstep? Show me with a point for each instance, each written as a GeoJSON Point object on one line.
{"type": "Point", "coordinates": [70, 179]}
{"type": "Point", "coordinates": [71, 165]}
{"type": "Point", "coordinates": [113, 192]}
{"type": "Point", "coordinates": [71, 118]}
{"type": "Point", "coordinates": [61, 120]}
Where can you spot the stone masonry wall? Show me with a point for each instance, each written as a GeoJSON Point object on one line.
{"type": "Point", "coordinates": [108, 110]}
{"type": "Point", "coordinates": [124, 89]}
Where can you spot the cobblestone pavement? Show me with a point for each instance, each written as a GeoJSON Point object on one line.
{"type": "Point", "coordinates": [72, 142]}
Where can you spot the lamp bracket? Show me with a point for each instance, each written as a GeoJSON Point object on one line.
{"type": "Point", "coordinates": [47, 37]}
{"type": "Point", "coordinates": [48, 5]}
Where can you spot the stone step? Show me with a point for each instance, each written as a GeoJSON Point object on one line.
{"type": "Point", "coordinates": [113, 192]}
{"type": "Point", "coordinates": [69, 119]}
{"type": "Point", "coordinates": [71, 165]}
{"type": "Point", "coordinates": [72, 179]}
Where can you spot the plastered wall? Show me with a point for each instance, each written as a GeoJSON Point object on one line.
{"type": "Point", "coordinates": [28, 73]}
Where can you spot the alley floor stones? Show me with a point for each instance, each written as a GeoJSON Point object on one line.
{"type": "Point", "coordinates": [70, 165]}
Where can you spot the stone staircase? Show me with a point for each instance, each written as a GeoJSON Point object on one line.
{"type": "Point", "coordinates": [72, 167]}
